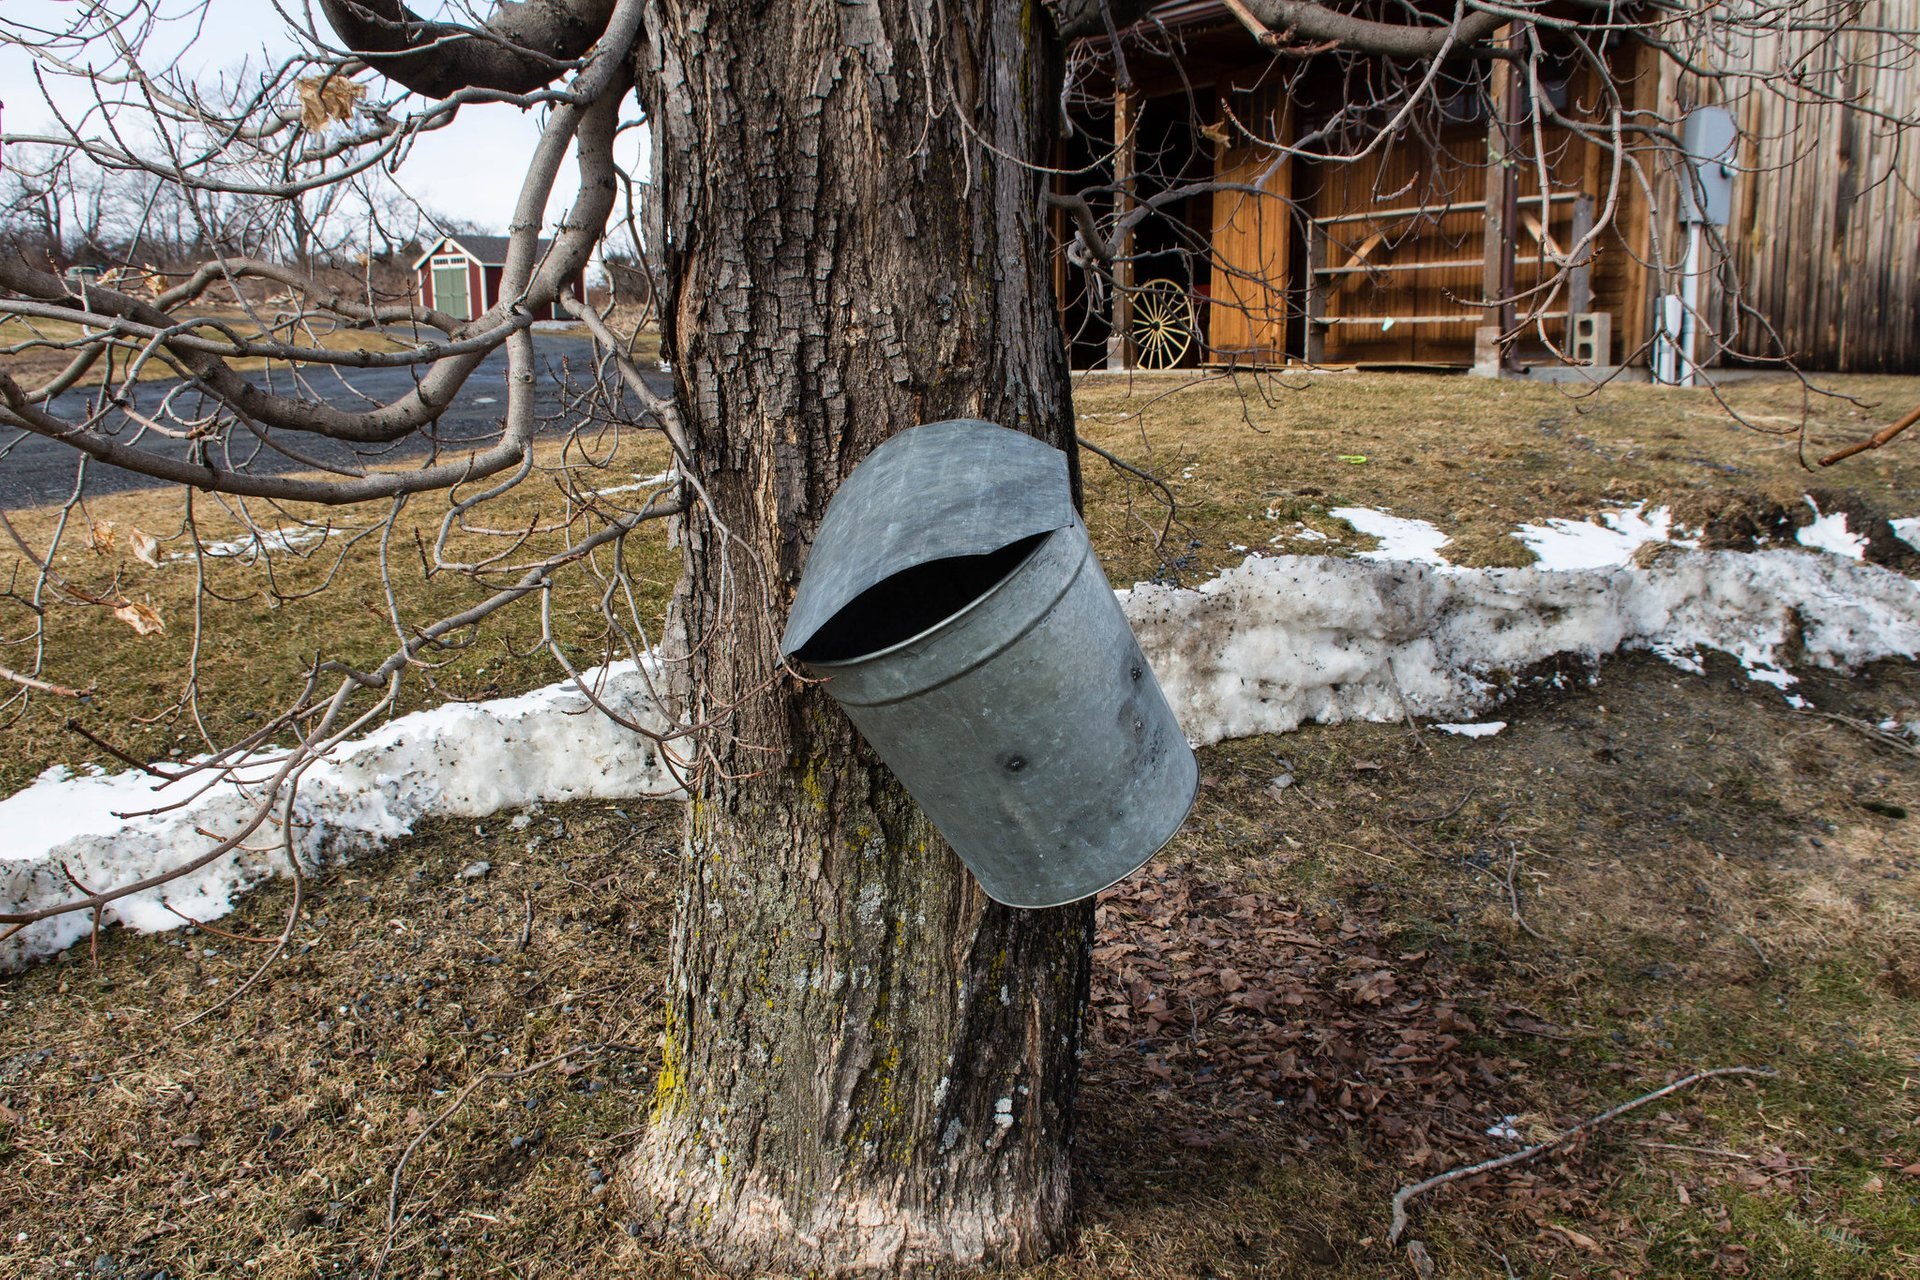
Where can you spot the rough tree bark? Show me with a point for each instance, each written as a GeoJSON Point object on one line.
{"type": "Point", "coordinates": [868, 1065]}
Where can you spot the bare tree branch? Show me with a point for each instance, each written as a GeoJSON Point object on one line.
{"type": "Point", "coordinates": [522, 46]}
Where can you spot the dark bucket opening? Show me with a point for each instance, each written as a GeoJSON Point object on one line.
{"type": "Point", "coordinates": [898, 608]}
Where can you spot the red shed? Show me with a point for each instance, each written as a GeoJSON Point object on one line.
{"type": "Point", "coordinates": [456, 272]}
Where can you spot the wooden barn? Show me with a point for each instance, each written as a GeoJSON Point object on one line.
{"type": "Point", "coordinates": [460, 275]}
{"type": "Point", "coordinates": [1347, 246]}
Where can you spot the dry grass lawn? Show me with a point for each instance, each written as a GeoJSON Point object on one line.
{"type": "Point", "coordinates": [1252, 459]}
{"type": "Point", "coordinates": [35, 350]}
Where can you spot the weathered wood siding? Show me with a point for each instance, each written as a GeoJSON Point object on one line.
{"type": "Point", "coordinates": [1409, 300]}
{"type": "Point", "coordinates": [1822, 256]}
{"type": "Point", "coordinates": [1825, 236]}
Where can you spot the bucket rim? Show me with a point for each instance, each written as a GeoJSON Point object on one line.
{"type": "Point", "coordinates": [843, 664]}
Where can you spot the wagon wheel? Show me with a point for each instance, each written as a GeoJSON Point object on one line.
{"type": "Point", "coordinates": [1162, 324]}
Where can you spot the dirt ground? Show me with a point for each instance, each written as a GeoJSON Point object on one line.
{"type": "Point", "coordinates": [1417, 952]}
{"type": "Point", "coordinates": [1317, 993]}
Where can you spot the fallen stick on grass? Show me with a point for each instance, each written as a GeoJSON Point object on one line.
{"type": "Point", "coordinates": [33, 682]}
{"type": "Point", "coordinates": [1406, 1194]}
{"type": "Point", "coordinates": [1873, 731]}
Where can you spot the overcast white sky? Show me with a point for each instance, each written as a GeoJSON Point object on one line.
{"type": "Point", "coordinates": [470, 170]}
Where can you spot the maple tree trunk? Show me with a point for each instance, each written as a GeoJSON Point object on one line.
{"type": "Point", "coordinates": [868, 1066]}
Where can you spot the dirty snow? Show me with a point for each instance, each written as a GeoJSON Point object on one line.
{"type": "Point", "coordinates": [1908, 530]}
{"type": "Point", "coordinates": [1483, 729]}
{"type": "Point", "coordinates": [1611, 538]}
{"type": "Point", "coordinates": [1262, 648]}
{"type": "Point", "coordinates": [1830, 533]}
{"type": "Point", "coordinates": [1401, 538]}
{"type": "Point", "coordinates": [1282, 641]}
{"type": "Point", "coordinates": [460, 760]}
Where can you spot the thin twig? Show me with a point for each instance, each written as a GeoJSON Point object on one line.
{"type": "Point", "coordinates": [93, 938]}
{"type": "Point", "coordinates": [1408, 1193]}
{"type": "Point", "coordinates": [1874, 441]}
{"type": "Point", "coordinates": [1872, 731]}
{"type": "Point", "coordinates": [459, 1100]}
{"type": "Point", "coordinates": [74, 726]}
{"type": "Point", "coordinates": [1460, 804]}
{"type": "Point", "coordinates": [526, 924]}
{"type": "Point", "coordinates": [1717, 1153]}
{"type": "Point", "coordinates": [1119, 463]}
{"type": "Point", "coordinates": [33, 682]}
{"type": "Point", "coordinates": [204, 927]}
{"type": "Point", "coordinates": [1513, 894]}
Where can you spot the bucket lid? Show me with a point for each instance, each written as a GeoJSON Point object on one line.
{"type": "Point", "coordinates": [936, 492]}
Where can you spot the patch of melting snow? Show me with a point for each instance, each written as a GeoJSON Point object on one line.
{"type": "Point", "coordinates": [1401, 538]}
{"type": "Point", "coordinates": [1504, 1130]}
{"type": "Point", "coordinates": [1299, 533]}
{"type": "Point", "coordinates": [1687, 659]}
{"type": "Point", "coordinates": [1483, 729]}
{"type": "Point", "coordinates": [1262, 648]}
{"type": "Point", "coordinates": [461, 759]}
{"type": "Point", "coordinates": [1281, 641]}
{"type": "Point", "coordinates": [669, 476]}
{"type": "Point", "coordinates": [1608, 541]}
{"type": "Point", "coordinates": [1829, 533]}
{"type": "Point", "coordinates": [1909, 729]}
{"type": "Point", "coordinates": [1908, 531]}
{"type": "Point", "coordinates": [266, 540]}
{"type": "Point", "coordinates": [1766, 673]}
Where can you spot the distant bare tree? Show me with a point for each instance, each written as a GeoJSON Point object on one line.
{"type": "Point", "coordinates": [34, 200]}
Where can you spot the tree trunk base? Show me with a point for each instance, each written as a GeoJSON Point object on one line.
{"type": "Point", "coordinates": [742, 1223]}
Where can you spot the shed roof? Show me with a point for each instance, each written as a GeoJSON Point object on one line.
{"type": "Point", "coordinates": [488, 251]}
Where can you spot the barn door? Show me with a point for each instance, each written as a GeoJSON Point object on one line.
{"type": "Point", "coordinates": [1247, 322]}
{"type": "Point", "coordinates": [450, 287]}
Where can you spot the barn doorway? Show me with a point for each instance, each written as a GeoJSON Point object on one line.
{"type": "Point", "coordinates": [1172, 263]}
{"type": "Point", "coordinates": [1164, 281]}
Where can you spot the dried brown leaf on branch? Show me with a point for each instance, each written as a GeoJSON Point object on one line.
{"type": "Point", "coordinates": [145, 547]}
{"type": "Point", "coordinates": [100, 536]}
{"type": "Point", "coordinates": [324, 99]}
{"type": "Point", "coordinates": [143, 620]}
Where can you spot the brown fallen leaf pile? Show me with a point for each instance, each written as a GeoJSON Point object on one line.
{"type": "Point", "coordinates": [1245, 1007]}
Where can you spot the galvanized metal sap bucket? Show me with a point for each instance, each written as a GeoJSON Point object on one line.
{"type": "Point", "coordinates": [957, 610]}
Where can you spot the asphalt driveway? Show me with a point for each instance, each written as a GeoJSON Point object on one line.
{"type": "Point", "coordinates": [36, 470]}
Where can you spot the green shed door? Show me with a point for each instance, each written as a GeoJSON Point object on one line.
{"type": "Point", "coordinates": [450, 289]}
